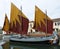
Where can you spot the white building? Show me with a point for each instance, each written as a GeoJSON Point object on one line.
{"type": "Point", "coordinates": [30, 28]}
{"type": "Point", "coordinates": [56, 24]}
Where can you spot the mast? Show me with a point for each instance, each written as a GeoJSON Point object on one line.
{"type": "Point", "coordinates": [35, 19]}
{"type": "Point", "coordinates": [46, 21]}
{"type": "Point", "coordinates": [21, 19]}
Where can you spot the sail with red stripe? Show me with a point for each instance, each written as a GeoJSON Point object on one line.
{"type": "Point", "coordinates": [6, 25]}
{"type": "Point", "coordinates": [18, 21]}
{"type": "Point", "coordinates": [40, 22]}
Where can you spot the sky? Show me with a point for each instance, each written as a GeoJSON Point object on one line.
{"type": "Point", "coordinates": [28, 8]}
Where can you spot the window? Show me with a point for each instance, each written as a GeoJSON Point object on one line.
{"type": "Point", "coordinates": [59, 23]}
{"type": "Point", "coordinates": [30, 25]}
{"type": "Point", "coordinates": [55, 24]}
{"type": "Point", "coordinates": [56, 29]}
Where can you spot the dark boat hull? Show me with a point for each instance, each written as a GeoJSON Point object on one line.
{"type": "Point", "coordinates": [31, 43]}
{"type": "Point", "coordinates": [35, 42]}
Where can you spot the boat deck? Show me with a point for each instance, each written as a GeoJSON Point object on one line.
{"type": "Point", "coordinates": [39, 35]}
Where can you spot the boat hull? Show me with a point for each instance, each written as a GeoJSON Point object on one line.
{"type": "Point", "coordinates": [33, 43]}
{"type": "Point", "coordinates": [30, 43]}
{"type": "Point", "coordinates": [34, 40]}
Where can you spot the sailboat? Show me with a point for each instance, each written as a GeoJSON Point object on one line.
{"type": "Point", "coordinates": [19, 24]}
{"type": "Point", "coordinates": [5, 29]}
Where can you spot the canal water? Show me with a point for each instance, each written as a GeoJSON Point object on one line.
{"type": "Point", "coordinates": [9, 45]}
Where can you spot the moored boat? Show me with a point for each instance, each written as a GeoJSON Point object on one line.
{"type": "Point", "coordinates": [42, 24]}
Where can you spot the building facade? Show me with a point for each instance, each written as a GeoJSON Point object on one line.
{"type": "Point", "coordinates": [30, 28]}
{"type": "Point", "coordinates": [56, 24]}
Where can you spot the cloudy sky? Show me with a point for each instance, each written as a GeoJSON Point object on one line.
{"type": "Point", "coordinates": [52, 6]}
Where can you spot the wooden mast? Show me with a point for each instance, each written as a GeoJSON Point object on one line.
{"type": "Point", "coordinates": [46, 22]}
{"type": "Point", "coordinates": [21, 20]}
{"type": "Point", "coordinates": [35, 19]}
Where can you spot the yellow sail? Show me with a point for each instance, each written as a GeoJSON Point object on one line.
{"type": "Point", "coordinates": [6, 24]}
{"type": "Point", "coordinates": [14, 15]}
{"type": "Point", "coordinates": [42, 21]}
{"type": "Point", "coordinates": [40, 16]}
{"type": "Point", "coordinates": [18, 21]}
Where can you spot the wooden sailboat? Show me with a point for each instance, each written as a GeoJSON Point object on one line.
{"type": "Point", "coordinates": [5, 29]}
{"type": "Point", "coordinates": [39, 25]}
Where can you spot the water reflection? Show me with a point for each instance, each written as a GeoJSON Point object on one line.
{"type": "Point", "coordinates": [9, 45]}
{"type": "Point", "coordinates": [6, 46]}
{"type": "Point", "coordinates": [41, 47]}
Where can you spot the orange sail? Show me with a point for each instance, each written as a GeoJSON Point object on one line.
{"type": "Point", "coordinates": [18, 21]}
{"type": "Point", "coordinates": [6, 25]}
{"type": "Point", "coordinates": [40, 22]}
